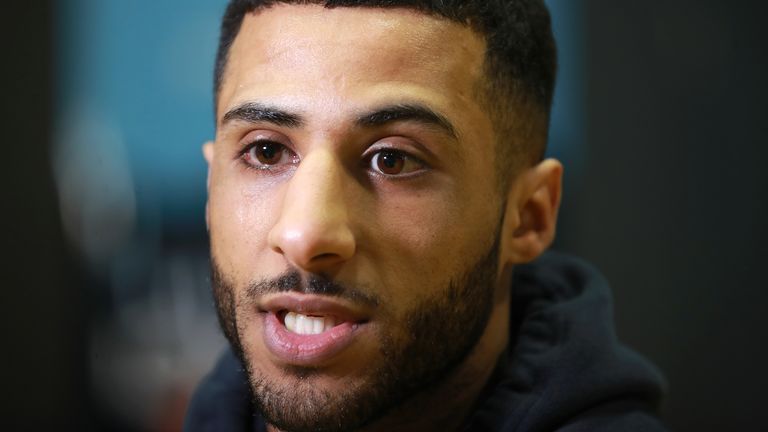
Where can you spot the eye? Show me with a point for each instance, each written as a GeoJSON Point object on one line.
{"type": "Point", "coordinates": [265, 154]}
{"type": "Point", "coordinates": [393, 163]}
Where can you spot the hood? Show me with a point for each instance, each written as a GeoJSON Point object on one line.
{"type": "Point", "coordinates": [564, 365]}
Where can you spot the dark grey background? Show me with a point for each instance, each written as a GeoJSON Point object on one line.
{"type": "Point", "coordinates": [43, 311]}
{"type": "Point", "coordinates": [671, 204]}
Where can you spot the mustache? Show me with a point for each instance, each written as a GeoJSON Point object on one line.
{"type": "Point", "coordinates": [292, 280]}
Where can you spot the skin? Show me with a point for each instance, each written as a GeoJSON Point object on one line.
{"type": "Point", "coordinates": [326, 209]}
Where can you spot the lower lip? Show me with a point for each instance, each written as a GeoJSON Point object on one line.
{"type": "Point", "coordinates": [306, 350]}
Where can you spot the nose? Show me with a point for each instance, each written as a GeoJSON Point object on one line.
{"type": "Point", "coordinates": [313, 230]}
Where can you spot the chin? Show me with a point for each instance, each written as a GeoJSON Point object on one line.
{"type": "Point", "coordinates": [339, 397]}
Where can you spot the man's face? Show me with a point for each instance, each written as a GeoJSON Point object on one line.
{"type": "Point", "coordinates": [353, 208]}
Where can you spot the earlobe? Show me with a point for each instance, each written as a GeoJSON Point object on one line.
{"type": "Point", "coordinates": [208, 152]}
{"type": "Point", "coordinates": [208, 155]}
{"type": "Point", "coordinates": [531, 214]}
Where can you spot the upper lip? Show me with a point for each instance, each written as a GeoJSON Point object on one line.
{"type": "Point", "coordinates": [312, 304]}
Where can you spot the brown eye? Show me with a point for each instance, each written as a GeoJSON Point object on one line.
{"type": "Point", "coordinates": [389, 162]}
{"type": "Point", "coordinates": [394, 163]}
{"type": "Point", "coordinates": [266, 154]}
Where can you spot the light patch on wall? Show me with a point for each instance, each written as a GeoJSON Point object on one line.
{"type": "Point", "coordinates": [94, 182]}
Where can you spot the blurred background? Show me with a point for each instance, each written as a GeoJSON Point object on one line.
{"type": "Point", "coordinates": [108, 323]}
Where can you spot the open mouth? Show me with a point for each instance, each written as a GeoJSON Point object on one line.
{"type": "Point", "coordinates": [309, 330]}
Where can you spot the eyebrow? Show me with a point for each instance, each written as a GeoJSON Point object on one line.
{"type": "Point", "coordinates": [413, 112]}
{"type": "Point", "coordinates": [253, 112]}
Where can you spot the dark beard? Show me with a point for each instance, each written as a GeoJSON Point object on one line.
{"type": "Point", "coordinates": [439, 335]}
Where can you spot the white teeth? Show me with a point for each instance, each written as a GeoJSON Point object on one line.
{"type": "Point", "coordinates": [329, 323]}
{"type": "Point", "coordinates": [317, 325]}
{"type": "Point", "coordinates": [290, 321]}
{"type": "Point", "coordinates": [308, 325]}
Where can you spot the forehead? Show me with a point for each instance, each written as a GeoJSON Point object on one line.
{"type": "Point", "coordinates": [314, 57]}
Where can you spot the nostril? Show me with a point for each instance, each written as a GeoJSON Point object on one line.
{"type": "Point", "coordinates": [324, 256]}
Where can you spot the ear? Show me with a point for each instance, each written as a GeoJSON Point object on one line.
{"type": "Point", "coordinates": [208, 155]}
{"type": "Point", "coordinates": [533, 200]}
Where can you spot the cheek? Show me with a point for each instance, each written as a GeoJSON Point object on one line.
{"type": "Point", "coordinates": [423, 242]}
{"type": "Point", "coordinates": [240, 219]}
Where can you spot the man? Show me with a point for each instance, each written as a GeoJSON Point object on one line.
{"type": "Point", "coordinates": [376, 177]}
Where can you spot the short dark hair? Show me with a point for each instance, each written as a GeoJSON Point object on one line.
{"type": "Point", "coordinates": [520, 61]}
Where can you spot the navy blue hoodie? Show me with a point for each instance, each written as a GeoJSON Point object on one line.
{"type": "Point", "coordinates": [563, 370]}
